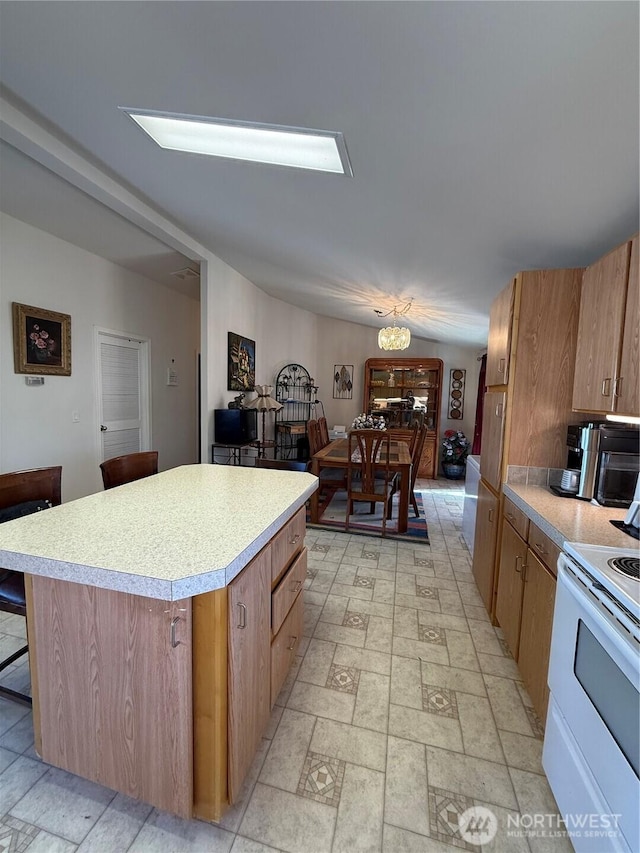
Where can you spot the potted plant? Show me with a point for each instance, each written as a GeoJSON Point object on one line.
{"type": "Point", "coordinates": [365, 421]}
{"type": "Point", "coordinates": [454, 450]}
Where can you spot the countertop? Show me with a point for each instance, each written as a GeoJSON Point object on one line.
{"type": "Point", "coordinates": [569, 519]}
{"type": "Point", "coordinates": [176, 534]}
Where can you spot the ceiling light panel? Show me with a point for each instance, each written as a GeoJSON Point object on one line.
{"type": "Point", "coordinates": [276, 145]}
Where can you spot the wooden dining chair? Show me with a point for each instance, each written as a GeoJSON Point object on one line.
{"type": "Point", "coordinates": [421, 435]}
{"type": "Point", "coordinates": [369, 477]}
{"type": "Point", "coordinates": [282, 464]}
{"type": "Point", "coordinates": [127, 468]}
{"type": "Point", "coordinates": [331, 479]}
{"type": "Point", "coordinates": [323, 430]}
{"type": "Point", "coordinates": [22, 493]}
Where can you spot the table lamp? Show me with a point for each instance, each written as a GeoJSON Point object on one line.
{"type": "Point", "coordinates": [264, 403]}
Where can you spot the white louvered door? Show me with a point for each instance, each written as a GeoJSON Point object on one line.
{"type": "Point", "coordinates": [123, 394]}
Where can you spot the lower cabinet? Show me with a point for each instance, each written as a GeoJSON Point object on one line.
{"type": "Point", "coordinates": [249, 665]}
{"type": "Point", "coordinates": [285, 646]}
{"type": "Point", "coordinates": [525, 601]}
{"type": "Point", "coordinates": [484, 549]}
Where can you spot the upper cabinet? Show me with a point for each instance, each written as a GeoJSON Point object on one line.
{"type": "Point", "coordinates": [499, 344]}
{"type": "Point", "coordinates": [607, 373]}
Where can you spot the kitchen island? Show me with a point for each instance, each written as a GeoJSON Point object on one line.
{"type": "Point", "coordinates": [162, 619]}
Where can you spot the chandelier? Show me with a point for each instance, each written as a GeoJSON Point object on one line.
{"type": "Point", "coordinates": [394, 337]}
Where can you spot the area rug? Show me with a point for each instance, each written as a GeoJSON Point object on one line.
{"type": "Point", "coordinates": [362, 521]}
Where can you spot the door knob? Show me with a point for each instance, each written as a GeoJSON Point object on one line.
{"type": "Point", "coordinates": [103, 428]}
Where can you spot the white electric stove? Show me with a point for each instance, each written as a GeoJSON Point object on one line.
{"type": "Point", "coordinates": [617, 569]}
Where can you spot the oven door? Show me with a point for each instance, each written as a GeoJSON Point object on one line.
{"type": "Point", "coordinates": [591, 753]}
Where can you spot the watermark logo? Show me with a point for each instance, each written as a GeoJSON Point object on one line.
{"type": "Point", "coordinates": [478, 825]}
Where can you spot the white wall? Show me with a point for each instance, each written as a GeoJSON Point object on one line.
{"type": "Point", "coordinates": [36, 427]}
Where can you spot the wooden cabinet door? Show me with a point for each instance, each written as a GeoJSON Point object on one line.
{"type": "Point", "coordinates": [627, 389]}
{"type": "Point", "coordinates": [492, 438]}
{"type": "Point", "coordinates": [535, 631]}
{"type": "Point", "coordinates": [484, 547]}
{"type": "Point", "coordinates": [513, 554]}
{"type": "Point", "coordinates": [249, 665]}
{"type": "Point", "coordinates": [602, 306]}
{"type": "Point", "coordinates": [115, 689]}
{"type": "Point", "coordinates": [499, 345]}
{"type": "Point", "coordinates": [427, 464]}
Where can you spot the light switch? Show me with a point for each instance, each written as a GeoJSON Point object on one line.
{"type": "Point", "coordinates": [172, 376]}
{"type": "Point", "coordinates": [75, 417]}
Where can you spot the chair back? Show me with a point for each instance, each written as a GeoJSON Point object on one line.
{"type": "Point", "coordinates": [324, 431]}
{"type": "Point", "coordinates": [408, 435]}
{"type": "Point", "coordinates": [32, 485]}
{"type": "Point", "coordinates": [368, 458]}
{"type": "Point", "coordinates": [125, 469]}
{"type": "Point", "coordinates": [313, 434]}
{"type": "Point", "coordinates": [282, 464]}
{"type": "Point", "coordinates": [421, 435]}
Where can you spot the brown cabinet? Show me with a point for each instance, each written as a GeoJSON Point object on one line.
{"type": "Point", "coordinates": [607, 372]}
{"type": "Point", "coordinates": [513, 554]}
{"type": "Point", "coordinates": [387, 382]}
{"type": "Point", "coordinates": [499, 344]}
{"type": "Point", "coordinates": [535, 631]}
{"type": "Point", "coordinates": [249, 665]}
{"type": "Point", "coordinates": [484, 548]}
{"type": "Point", "coordinates": [493, 415]}
{"type": "Point", "coordinates": [525, 600]}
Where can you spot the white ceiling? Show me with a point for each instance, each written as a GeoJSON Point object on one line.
{"type": "Point", "coordinates": [485, 138]}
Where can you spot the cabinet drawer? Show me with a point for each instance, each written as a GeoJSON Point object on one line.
{"type": "Point", "coordinates": [287, 542]}
{"type": "Point", "coordinates": [285, 593]}
{"type": "Point", "coordinates": [544, 548]}
{"type": "Point", "coordinates": [285, 645]}
{"type": "Point", "coordinates": [516, 518]}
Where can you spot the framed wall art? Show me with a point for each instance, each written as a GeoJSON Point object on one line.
{"type": "Point", "coordinates": [342, 381]}
{"type": "Point", "coordinates": [456, 394]}
{"type": "Point", "coordinates": [41, 341]}
{"type": "Point", "coordinates": [241, 363]}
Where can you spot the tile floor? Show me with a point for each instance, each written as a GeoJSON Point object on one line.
{"type": "Point", "coordinates": [403, 710]}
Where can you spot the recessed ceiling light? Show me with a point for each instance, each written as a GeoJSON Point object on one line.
{"type": "Point", "coordinates": [278, 145]}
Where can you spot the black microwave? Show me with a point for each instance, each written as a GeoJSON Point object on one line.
{"type": "Point", "coordinates": [618, 466]}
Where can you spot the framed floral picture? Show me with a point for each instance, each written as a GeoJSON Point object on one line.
{"type": "Point", "coordinates": [241, 363]}
{"type": "Point", "coordinates": [342, 381]}
{"type": "Point", "coordinates": [41, 341]}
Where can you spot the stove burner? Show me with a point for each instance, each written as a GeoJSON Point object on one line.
{"type": "Point", "coordinates": [626, 565]}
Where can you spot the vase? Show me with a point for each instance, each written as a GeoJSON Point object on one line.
{"type": "Point", "coordinates": [453, 471]}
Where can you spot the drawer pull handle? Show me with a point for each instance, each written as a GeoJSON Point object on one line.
{"type": "Point", "coordinates": [518, 570]}
{"type": "Point", "coordinates": [491, 515]}
{"type": "Point", "coordinates": [296, 586]}
{"type": "Point", "coordinates": [510, 516]}
{"type": "Point", "coordinates": [616, 386]}
{"type": "Point", "coordinates": [540, 548]}
{"type": "Point", "coordinates": [293, 644]}
{"type": "Point", "coordinates": [499, 410]}
{"type": "Point", "coordinates": [606, 387]}
{"type": "Point", "coordinates": [295, 539]}
{"type": "Point", "coordinates": [501, 364]}
{"type": "Point", "coordinates": [173, 641]}
{"type": "Point", "coordinates": [243, 616]}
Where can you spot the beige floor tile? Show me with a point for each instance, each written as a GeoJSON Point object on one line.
{"type": "Point", "coordinates": [507, 838]}
{"type": "Point", "coordinates": [317, 598]}
{"type": "Point", "coordinates": [385, 591]}
{"type": "Point", "coordinates": [479, 733]}
{"type": "Point", "coordinates": [396, 840]}
{"type": "Point", "coordinates": [311, 616]}
{"type": "Point", "coordinates": [288, 822]}
{"type": "Point", "coordinates": [373, 608]}
{"type": "Point", "coordinates": [317, 662]}
{"type": "Point", "coordinates": [522, 752]}
{"type": "Point", "coordinates": [417, 602]}
{"type": "Point", "coordinates": [363, 659]}
{"type": "Point", "coordinates": [334, 609]}
{"type": "Point", "coordinates": [535, 798]}
{"type": "Point", "coordinates": [476, 612]}
{"type": "Point", "coordinates": [350, 743]}
{"type": "Point", "coordinates": [420, 650]}
{"type": "Point", "coordinates": [499, 665]}
{"type": "Point", "coordinates": [274, 720]}
{"type": "Point", "coordinates": [372, 702]}
{"type": "Point", "coordinates": [443, 620]}
{"type": "Point", "coordinates": [322, 582]}
{"type": "Point", "coordinates": [462, 652]}
{"type": "Point", "coordinates": [365, 593]}
{"type": "Point", "coordinates": [246, 845]}
{"type": "Point", "coordinates": [472, 777]}
{"type": "Point", "coordinates": [339, 634]}
{"type": "Point", "coordinates": [321, 701]}
{"type": "Point", "coordinates": [450, 602]}
{"type": "Point", "coordinates": [425, 728]}
{"type": "Point", "coordinates": [285, 758]}
{"type": "Point", "coordinates": [453, 678]}
{"type": "Point", "coordinates": [507, 705]}
{"type": "Point", "coordinates": [379, 634]}
{"type": "Point", "coordinates": [406, 803]}
{"type": "Point", "coordinates": [406, 685]}
{"type": "Point", "coordinates": [360, 811]}
{"type": "Point", "coordinates": [405, 622]}
{"type": "Point", "coordinates": [484, 637]}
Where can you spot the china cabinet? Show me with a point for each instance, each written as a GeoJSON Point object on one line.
{"type": "Point", "coordinates": [389, 386]}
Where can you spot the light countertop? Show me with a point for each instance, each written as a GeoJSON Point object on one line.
{"type": "Point", "coordinates": [179, 533]}
{"type": "Point", "coordinates": [569, 519]}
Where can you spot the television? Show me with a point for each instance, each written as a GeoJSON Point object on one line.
{"type": "Point", "coordinates": [235, 426]}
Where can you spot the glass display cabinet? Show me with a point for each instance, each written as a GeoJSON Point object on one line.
{"type": "Point", "coordinates": [403, 390]}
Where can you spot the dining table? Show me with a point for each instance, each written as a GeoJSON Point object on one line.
{"type": "Point", "coordinates": [336, 455]}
